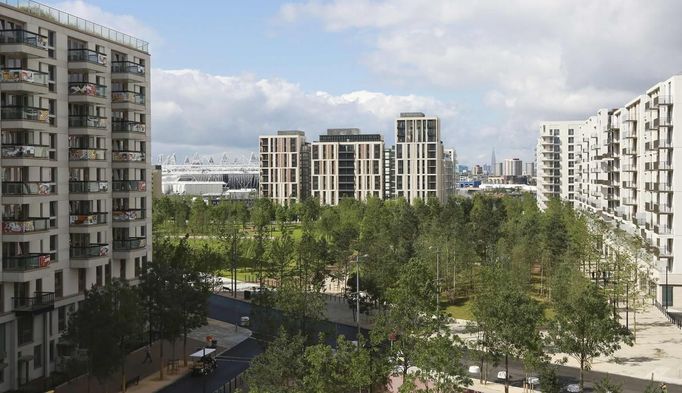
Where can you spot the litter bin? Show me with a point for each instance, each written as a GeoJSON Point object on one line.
{"type": "Point", "coordinates": [247, 295]}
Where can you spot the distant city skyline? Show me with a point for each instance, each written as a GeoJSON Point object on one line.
{"type": "Point", "coordinates": [491, 71]}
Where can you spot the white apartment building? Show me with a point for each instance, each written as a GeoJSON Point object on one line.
{"type": "Point", "coordinates": [284, 166]}
{"type": "Point", "coordinates": [76, 209]}
{"type": "Point", "coordinates": [512, 167]}
{"type": "Point", "coordinates": [418, 157]}
{"type": "Point", "coordinates": [347, 164]}
{"type": "Point", "coordinates": [629, 171]}
{"type": "Point", "coordinates": [449, 171]}
{"type": "Point", "coordinates": [555, 156]}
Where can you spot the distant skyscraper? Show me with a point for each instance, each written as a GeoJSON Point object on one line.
{"type": "Point", "coordinates": [493, 162]}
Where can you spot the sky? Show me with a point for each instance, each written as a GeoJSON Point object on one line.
{"type": "Point", "coordinates": [224, 72]}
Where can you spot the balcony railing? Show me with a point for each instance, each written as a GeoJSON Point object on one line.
{"type": "Point", "coordinates": [23, 75]}
{"type": "Point", "coordinates": [87, 55]}
{"type": "Point", "coordinates": [127, 156]}
{"type": "Point", "coordinates": [20, 36]}
{"type": "Point", "coordinates": [86, 154]}
{"type": "Point", "coordinates": [88, 186]}
{"type": "Point", "coordinates": [25, 113]}
{"type": "Point", "coordinates": [87, 89]}
{"type": "Point", "coordinates": [26, 262]}
{"type": "Point", "coordinates": [10, 226]}
{"type": "Point", "coordinates": [25, 151]}
{"type": "Point", "coordinates": [127, 67]}
{"type": "Point", "coordinates": [129, 185]}
{"type": "Point", "coordinates": [88, 218]}
{"type": "Point", "coordinates": [87, 122]}
{"type": "Point", "coordinates": [89, 251]}
{"type": "Point", "coordinates": [128, 126]}
{"type": "Point", "coordinates": [125, 215]}
{"type": "Point", "coordinates": [127, 96]}
{"type": "Point", "coordinates": [28, 188]}
{"type": "Point", "coordinates": [130, 244]}
{"type": "Point", "coordinates": [41, 301]}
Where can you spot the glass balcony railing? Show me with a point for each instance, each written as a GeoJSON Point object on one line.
{"type": "Point", "coordinates": [87, 55]}
{"type": "Point", "coordinates": [87, 122]}
{"type": "Point", "coordinates": [130, 244]}
{"type": "Point", "coordinates": [23, 75]}
{"type": "Point", "coordinates": [127, 96]}
{"type": "Point", "coordinates": [88, 218]}
{"type": "Point", "coordinates": [127, 156]}
{"type": "Point", "coordinates": [87, 89]}
{"type": "Point", "coordinates": [26, 262]}
{"type": "Point", "coordinates": [42, 301]}
{"type": "Point", "coordinates": [25, 151]}
{"type": "Point", "coordinates": [127, 67]}
{"type": "Point", "coordinates": [88, 186]}
{"type": "Point", "coordinates": [25, 113]}
{"type": "Point", "coordinates": [89, 251]}
{"type": "Point", "coordinates": [20, 36]}
{"type": "Point", "coordinates": [86, 154]}
{"type": "Point", "coordinates": [129, 185]}
{"type": "Point", "coordinates": [10, 226]}
{"type": "Point", "coordinates": [128, 126]}
{"type": "Point", "coordinates": [125, 215]}
{"type": "Point", "coordinates": [28, 188]}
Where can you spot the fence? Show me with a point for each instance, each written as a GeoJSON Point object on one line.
{"type": "Point", "coordinates": [675, 319]}
{"type": "Point", "coordinates": [232, 385]}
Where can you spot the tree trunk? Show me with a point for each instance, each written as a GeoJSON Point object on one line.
{"type": "Point", "coordinates": [506, 373]}
{"type": "Point", "coordinates": [161, 359]}
{"type": "Point", "coordinates": [123, 377]}
{"type": "Point", "coordinates": [582, 368]}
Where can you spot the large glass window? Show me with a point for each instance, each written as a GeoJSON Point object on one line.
{"type": "Point", "coordinates": [667, 295]}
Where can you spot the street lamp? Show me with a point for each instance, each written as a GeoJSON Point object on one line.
{"type": "Point", "coordinates": [437, 277]}
{"type": "Point", "coordinates": [357, 290]}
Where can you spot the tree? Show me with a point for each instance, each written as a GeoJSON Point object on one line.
{"type": "Point", "coordinates": [508, 317]}
{"type": "Point", "coordinates": [608, 386]}
{"type": "Point", "coordinates": [108, 324]}
{"type": "Point", "coordinates": [280, 368]}
{"type": "Point", "coordinates": [584, 327]}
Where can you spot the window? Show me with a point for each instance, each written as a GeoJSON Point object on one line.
{"type": "Point", "coordinates": [58, 284]}
{"type": "Point", "coordinates": [570, 131]}
{"type": "Point", "coordinates": [38, 356]}
{"type": "Point", "coordinates": [51, 354]}
{"type": "Point", "coordinates": [571, 139]}
{"type": "Point", "coordinates": [61, 319]}
{"type": "Point", "coordinates": [667, 295]}
{"type": "Point", "coordinates": [25, 329]}
{"type": "Point", "coordinates": [570, 172]}
{"type": "Point", "coordinates": [570, 156]}
{"type": "Point", "coordinates": [98, 274]}
{"type": "Point", "coordinates": [570, 147]}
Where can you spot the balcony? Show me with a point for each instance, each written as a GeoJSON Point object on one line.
{"type": "Point", "coordinates": [663, 230]}
{"type": "Point", "coordinates": [28, 188]}
{"type": "Point", "coordinates": [128, 126]}
{"type": "Point", "coordinates": [90, 251]}
{"type": "Point", "coordinates": [134, 243]}
{"type": "Point", "coordinates": [87, 92]}
{"type": "Point", "coordinates": [78, 121]}
{"type": "Point", "coordinates": [22, 263]}
{"type": "Point", "coordinates": [25, 117]}
{"type": "Point", "coordinates": [23, 43]}
{"type": "Point", "coordinates": [629, 184]}
{"type": "Point", "coordinates": [122, 99]}
{"type": "Point", "coordinates": [664, 144]}
{"type": "Point", "coordinates": [127, 156]}
{"type": "Point", "coordinates": [664, 209]}
{"type": "Point", "coordinates": [663, 100]}
{"type": "Point", "coordinates": [127, 70]}
{"type": "Point", "coordinates": [88, 219]}
{"type": "Point", "coordinates": [86, 59]}
{"type": "Point", "coordinates": [664, 166]}
{"type": "Point", "coordinates": [127, 215]}
{"type": "Point", "coordinates": [41, 302]}
{"type": "Point", "coordinates": [665, 252]}
{"type": "Point", "coordinates": [20, 80]}
{"type": "Point", "coordinates": [86, 154]}
{"type": "Point", "coordinates": [629, 201]}
{"type": "Point", "coordinates": [665, 121]}
{"type": "Point", "coordinates": [27, 225]}
{"type": "Point", "coordinates": [129, 185]}
{"type": "Point", "coordinates": [41, 152]}
{"type": "Point", "coordinates": [83, 187]}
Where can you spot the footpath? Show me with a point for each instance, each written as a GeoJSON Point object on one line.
{"type": "Point", "coordinates": [148, 372]}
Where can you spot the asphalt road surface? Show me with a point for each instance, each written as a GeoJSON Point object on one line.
{"type": "Point", "coordinates": [234, 361]}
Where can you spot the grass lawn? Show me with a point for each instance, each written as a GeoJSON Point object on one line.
{"type": "Point", "coordinates": [461, 309]}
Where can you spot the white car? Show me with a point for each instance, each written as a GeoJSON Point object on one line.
{"type": "Point", "coordinates": [573, 388]}
{"type": "Point", "coordinates": [533, 381]}
{"type": "Point", "coordinates": [502, 375]}
{"type": "Point", "coordinates": [474, 370]}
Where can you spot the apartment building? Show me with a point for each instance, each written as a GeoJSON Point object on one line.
{"type": "Point", "coordinates": [449, 171]}
{"type": "Point", "coordinates": [284, 167]}
{"type": "Point", "coordinates": [418, 157]}
{"type": "Point", "coordinates": [389, 172]}
{"type": "Point", "coordinates": [347, 164]}
{"type": "Point", "coordinates": [628, 170]}
{"type": "Point", "coordinates": [512, 167]}
{"type": "Point", "coordinates": [556, 160]}
{"type": "Point", "coordinates": [75, 141]}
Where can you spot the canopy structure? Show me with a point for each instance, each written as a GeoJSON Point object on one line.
{"type": "Point", "coordinates": [202, 352]}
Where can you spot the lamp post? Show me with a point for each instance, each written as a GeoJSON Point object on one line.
{"type": "Point", "coordinates": [357, 291]}
{"type": "Point", "coordinates": [437, 277]}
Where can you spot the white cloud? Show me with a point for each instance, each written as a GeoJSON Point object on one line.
{"type": "Point", "coordinates": [532, 59]}
{"type": "Point", "coordinates": [197, 112]}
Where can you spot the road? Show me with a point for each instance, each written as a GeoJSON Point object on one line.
{"type": "Point", "coordinates": [234, 361]}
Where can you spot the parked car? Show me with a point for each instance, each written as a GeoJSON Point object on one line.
{"type": "Point", "coordinates": [502, 375]}
{"type": "Point", "coordinates": [533, 381]}
{"type": "Point", "coordinates": [573, 388]}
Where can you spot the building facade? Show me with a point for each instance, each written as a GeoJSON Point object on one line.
{"type": "Point", "coordinates": [627, 170]}
{"type": "Point", "coordinates": [418, 157]}
{"type": "Point", "coordinates": [512, 167]}
{"type": "Point", "coordinates": [284, 167]}
{"type": "Point", "coordinates": [75, 146]}
{"type": "Point", "coordinates": [347, 164]}
{"type": "Point", "coordinates": [555, 158]}
{"type": "Point", "coordinates": [450, 171]}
